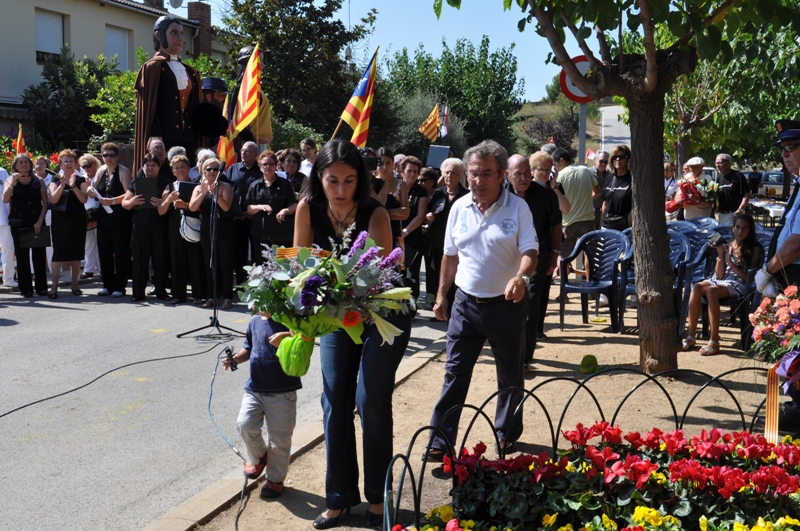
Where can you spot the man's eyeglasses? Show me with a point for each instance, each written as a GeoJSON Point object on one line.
{"type": "Point", "coordinates": [215, 170]}
{"type": "Point", "coordinates": [488, 174]}
{"type": "Point", "coordinates": [788, 148]}
{"type": "Point", "coordinates": [109, 155]}
{"type": "Point", "coordinates": [602, 161]}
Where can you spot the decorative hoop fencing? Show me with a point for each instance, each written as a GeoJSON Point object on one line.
{"type": "Point", "coordinates": [392, 502]}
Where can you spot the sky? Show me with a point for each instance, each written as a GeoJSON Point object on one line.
{"type": "Point", "coordinates": [409, 23]}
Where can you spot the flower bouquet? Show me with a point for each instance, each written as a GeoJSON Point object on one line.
{"type": "Point", "coordinates": [693, 190]}
{"type": "Point", "coordinates": [313, 293]}
{"type": "Point", "coordinates": [776, 326]}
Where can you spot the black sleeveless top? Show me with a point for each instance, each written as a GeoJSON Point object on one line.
{"type": "Point", "coordinates": [323, 228]}
{"type": "Point", "coordinates": [111, 186]}
{"type": "Point", "coordinates": [26, 202]}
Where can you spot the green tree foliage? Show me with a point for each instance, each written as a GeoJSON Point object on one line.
{"type": "Point", "coordinates": [59, 106]}
{"type": "Point", "coordinates": [117, 99]}
{"type": "Point", "coordinates": [480, 86]}
{"type": "Point", "coordinates": [552, 91]}
{"type": "Point", "coordinates": [290, 133]}
{"type": "Point", "coordinates": [716, 30]}
{"type": "Point", "coordinates": [302, 44]}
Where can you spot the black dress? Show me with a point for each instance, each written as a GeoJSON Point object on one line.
{"type": "Point", "coordinates": [224, 244]}
{"type": "Point", "coordinates": [69, 227]}
{"type": "Point", "coordinates": [26, 204]}
{"type": "Point", "coordinates": [266, 229]}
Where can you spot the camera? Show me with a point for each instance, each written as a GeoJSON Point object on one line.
{"type": "Point", "coordinates": [369, 159]}
{"type": "Point", "coordinates": [715, 239]}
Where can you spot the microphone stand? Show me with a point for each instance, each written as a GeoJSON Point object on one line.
{"type": "Point", "coordinates": [214, 324]}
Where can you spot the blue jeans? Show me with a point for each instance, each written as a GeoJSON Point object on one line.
{"type": "Point", "coordinates": [359, 376]}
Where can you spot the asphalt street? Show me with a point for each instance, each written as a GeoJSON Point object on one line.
{"type": "Point", "coordinates": [124, 450]}
{"type": "Point", "coordinates": [614, 131]}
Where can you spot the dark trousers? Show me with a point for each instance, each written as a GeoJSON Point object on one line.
{"type": "Point", "coordinates": [224, 264]}
{"type": "Point", "coordinates": [187, 266]}
{"type": "Point", "coordinates": [359, 376]}
{"type": "Point", "coordinates": [471, 324]}
{"type": "Point", "coordinates": [413, 261]}
{"type": "Point", "coordinates": [114, 250]}
{"type": "Point", "coordinates": [24, 257]}
{"type": "Point", "coordinates": [539, 285]}
{"type": "Point", "coordinates": [241, 248]}
{"type": "Point", "coordinates": [148, 243]}
{"type": "Point", "coordinates": [432, 285]}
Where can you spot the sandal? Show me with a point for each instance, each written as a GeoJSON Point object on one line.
{"type": "Point", "coordinates": [688, 342]}
{"type": "Point", "coordinates": [227, 305]}
{"type": "Point", "coordinates": [711, 349]}
{"type": "Point", "coordinates": [209, 303]}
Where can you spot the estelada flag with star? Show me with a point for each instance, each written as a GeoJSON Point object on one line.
{"type": "Point", "coordinates": [356, 113]}
{"type": "Point", "coordinates": [430, 127]}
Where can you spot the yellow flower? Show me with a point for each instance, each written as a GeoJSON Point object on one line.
{"type": "Point", "coordinates": [567, 527]}
{"type": "Point", "coordinates": [703, 523]}
{"type": "Point", "coordinates": [466, 525]}
{"type": "Point", "coordinates": [659, 477]}
{"type": "Point", "coordinates": [493, 528]}
{"type": "Point", "coordinates": [787, 439]}
{"type": "Point", "coordinates": [548, 520]}
{"type": "Point", "coordinates": [446, 513]}
{"type": "Point", "coordinates": [608, 523]}
{"type": "Point", "coordinates": [568, 468]}
{"type": "Point", "coordinates": [738, 526]}
{"type": "Point", "coordinates": [791, 521]}
{"type": "Point", "coordinates": [646, 514]}
{"type": "Point", "coordinates": [672, 520]}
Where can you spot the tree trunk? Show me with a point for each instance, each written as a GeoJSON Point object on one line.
{"type": "Point", "coordinates": [682, 153]}
{"type": "Point", "coordinates": [658, 339]}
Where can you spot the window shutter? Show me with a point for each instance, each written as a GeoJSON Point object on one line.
{"type": "Point", "coordinates": [117, 43]}
{"type": "Point", "coordinates": [49, 32]}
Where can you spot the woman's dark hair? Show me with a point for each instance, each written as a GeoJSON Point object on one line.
{"type": "Point", "coordinates": [309, 142]}
{"type": "Point", "coordinates": [292, 152]}
{"type": "Point", "coordinates": [620, 151]}
{"type": "Point", "coordinates": [149, 157]}
{"type": "Point", "coordinates": [22, 156]}
{"type": "Point", "coordinates": [750, 243]}
{"type": "Point", "coordinates": [110, 146]}
{"type": "Point", "coordinates": [385, 152]}
{"type": "Point", "coordinates": [333, 151]}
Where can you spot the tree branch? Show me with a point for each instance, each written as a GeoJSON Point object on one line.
{"type": "Point", "coordinates": [594, 64]}
{"type": "Point", "coordinates": [545, 19]}
{"type": "Point", "coordinates": [706, 21]}
{"type": "Point", "coordinates": [716, 109]}
{"type": "Point", "coordinates": [621, 51]}
{"type": "Point", "coordinates": [605, 51]}
{"type": "Point", "coordinates": [651, 77]}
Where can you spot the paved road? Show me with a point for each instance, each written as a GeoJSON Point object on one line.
{"type": "Point", "coordinates": [136, 443]}
{"type": "Point", "coordinates": [615, 132]}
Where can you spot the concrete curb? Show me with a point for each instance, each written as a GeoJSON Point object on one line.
{"type": "Point", "coordinates": [218, 496]}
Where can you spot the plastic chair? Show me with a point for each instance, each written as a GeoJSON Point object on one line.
{"type": "Point", "coordinates": [604, 249]}
{"type": "Point", "coordinates": [705, 224]}
{"type": "Point", "coordinates": [681, 226]}
{"type": "Point", "coordinates": [696, 269]}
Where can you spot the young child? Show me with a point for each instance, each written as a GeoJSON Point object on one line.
{"type": "Point", "coordinates": [269, 395]}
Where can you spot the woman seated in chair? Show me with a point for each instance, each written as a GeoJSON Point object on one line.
{"type": "Point", "coordinates": [730, 274]}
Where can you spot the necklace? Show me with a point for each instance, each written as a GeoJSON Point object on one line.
{"type": "Point", "coordinates": [340, 226]}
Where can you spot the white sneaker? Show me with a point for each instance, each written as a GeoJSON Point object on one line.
{"type": "Point", "coordinates": [602, 301]}
{"type": "Point", "coordinates": [103, 292]}
{"type": "Point", "coordinates": [118, 294]}
{"type": "Point", "coordinates": [10, 283]}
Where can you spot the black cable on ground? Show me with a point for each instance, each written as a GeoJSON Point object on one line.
{"type": "Point", "coordinates": [106, 374]}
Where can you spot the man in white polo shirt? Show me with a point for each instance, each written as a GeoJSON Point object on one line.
{"type": "Point", "coordinates": [490, 251]}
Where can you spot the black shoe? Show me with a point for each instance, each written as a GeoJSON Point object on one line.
{"type": "Point", "coordinates": [27, 295]}
{"type": "Point", "coordinates": [137, 299]}
{"type": "Point", "coordinates": [325, 522]}
{"type": "Point", "coordinates": [541, 335]}
{"type": "Point", "coordinates": [163, 296]}
{"type": "Point", "coordinates": [528, 367]}
{"type": "Point", "coordinates": [509, 446]}
{"type": "Point", "coordinates": [434, 455]}
{"type": "Point", "coordinates": [372, 519]}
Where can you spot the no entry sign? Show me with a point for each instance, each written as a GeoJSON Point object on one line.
{"type": "Point", "coordinates": [568, 88]}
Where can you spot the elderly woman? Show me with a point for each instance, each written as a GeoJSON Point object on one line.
{"type": "Point", "coordinates": [270, 201]}
{"type": "Point", "coordinates": [42, 168]}
{"type": "Point", "coordinates": [412, 226]}
{"type": "Point", "coordinates": [148, 231]}
{"type": "Point", "coordinates": [196, 173]}
{"type": "Point", "coordinates": [89, 164]}
{"type": "Point", "coordinates": [68, 191]}
{"type": "Point", "coordinates": [27, 195]}
{"type": "Point", "coordinates": [438, 209]}
{"type": "Point", "coordinates": [213, 199]}
{"type": "Point", "coordinates": [617, 195]}
{"type": "Point", "coordinates": [186, 257]}
{"type": "Point", "coordinates": [114, 227]}
{"type": "Point", "coordinates": [701, 209]}
{"type": "Point", "coordinates": [291, 165]}
{"type": "Point", "coordinates": [363, 375]}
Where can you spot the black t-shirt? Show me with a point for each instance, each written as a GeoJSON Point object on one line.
{"type": "Point", "coordinates": [415, 193]}
{"type": "Point", "coordinates": [148, 216]}
{"type": "Point", "coordinates": [732, 189]}
{"type": "Point", "coordinates": [278, 195]}
{"type": "Point", "coordinates": [603, 181]}
{"type": "Point", "coordinates": [543, 202]}
{"type": "Point", "coordinates": [618, 197]}
{"type": "Point", "coordinates": [439, 205]}
{"type": "Point", "coordinates": [240, 178]}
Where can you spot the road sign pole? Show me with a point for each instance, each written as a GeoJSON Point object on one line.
{"type": "Point", "coordinates": [582, 135]}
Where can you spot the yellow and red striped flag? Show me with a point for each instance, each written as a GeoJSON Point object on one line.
{"type": "Point", "coordinates": [356, 113]}
{"type": "Point", "coordinates": [247, 100]}
{"type": "Point", "coordinates": [21, 147]}
{"type": "Point", "coordinates": [430, 127]}
{"type": "Point", "coordinates": [225, 148]}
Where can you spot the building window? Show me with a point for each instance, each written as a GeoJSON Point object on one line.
{"type": "Point", "coordinates": [117, 44]}
{"type": "Point", "coordinates": [49, 34]}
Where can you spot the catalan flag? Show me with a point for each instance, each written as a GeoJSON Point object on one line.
{"type": "Point", "coordinates": [359, 108]}
{"type": "Point", "coordinates": [21, 147]}
{"type": "Point", "coordinates": [225, 148]}
{"type": "Point", "coordinates": [247, 100]}
{"type": "Point", "coordinates": [430, 127]}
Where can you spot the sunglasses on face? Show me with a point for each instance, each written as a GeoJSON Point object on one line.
{"type": "Point", "coordinates": [788, 148]}
{"type": "Point", "coordinates": [619, 157]}
{"type": "Point", "coordinates": [86, 166]}
{"type": "Point", "coordinates": [212, 169]}
{"type": "Point", "coordinates": [602, 161]}
{"type": "Point", "coordinates": [109, 155]}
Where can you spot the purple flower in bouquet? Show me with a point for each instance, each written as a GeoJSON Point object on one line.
{"type": "Point", "coordinates": [366, 258]}
{"type": "Point", "coordinates": [392, 260]}
{"type": "Point", "coordinates": [358, 244]}
{"type": "Point", "coordinates": [308, 298]}
{"type": "Point", "coordinates": [313, 283]}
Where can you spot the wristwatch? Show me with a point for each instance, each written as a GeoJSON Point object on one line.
{"type": "Point", "coordinates": [113, 201]}
{"type": "Point", "coordinates": [525, 278]}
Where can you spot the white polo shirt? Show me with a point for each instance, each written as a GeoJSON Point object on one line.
{"type": "Point", "coordinates": [489, 246]}
{"type": "Point", "coordinates": [792, 224]}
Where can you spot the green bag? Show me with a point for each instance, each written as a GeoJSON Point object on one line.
{"type": "Point", "coordinates": [294, 354]}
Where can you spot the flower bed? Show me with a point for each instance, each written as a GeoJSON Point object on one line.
{"type": "Point", "coordinates": [663, 481]}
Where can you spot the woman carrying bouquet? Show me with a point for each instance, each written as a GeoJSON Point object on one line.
{"type": "Point", "coordinates": [338, 195]}
{"type": "Point", "coordinates": [730, 273]}
{"type": "Point", "coordinates": [694, 206]}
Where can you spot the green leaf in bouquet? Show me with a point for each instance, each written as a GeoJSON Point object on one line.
{"type": "Point", "coordinates": [303, 254]}
{"type": "Point", "coordinates": [341, 274]}
{"type": "Point", "coordinates": [278, 275]}
{"type": "Point", "coordinates": [294, 300]}
{"type": "Point", "coordinates": [311, 262]}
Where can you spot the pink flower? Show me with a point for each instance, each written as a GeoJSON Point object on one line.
{"type": "Point", "coordinates": [790, 290]}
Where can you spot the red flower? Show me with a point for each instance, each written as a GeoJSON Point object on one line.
{"type": "Point", "coordinates": [580, 435]}
{"type": "Point", "coordinates": [351, 319]}
{"type": "Point", "coordinates": [452, 525]}
{"type": "Point", "coordinates": [610, 434]}
{"type": "Point", "coordinates": [674, 441]}
{"type": "Point", "coordinates": [598, 458]}
{"type": "Point", "coordinates": [634, 439]}
{"type": "Point", "coordinates": [461, 473]}
{"type": "Point", "coordinates": [653, 439]}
